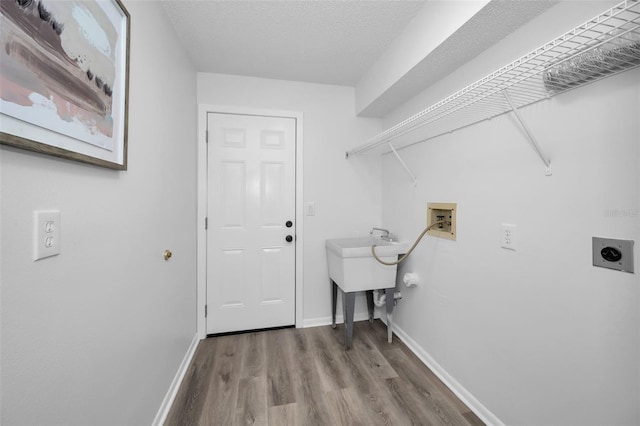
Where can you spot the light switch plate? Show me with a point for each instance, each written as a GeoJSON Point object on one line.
{"type": "Point", "coordinates": [310, 208]}
{"type": "Point", "coordinates": [613, 254]}
{"type": "Point", "coordinates": [46, 234]}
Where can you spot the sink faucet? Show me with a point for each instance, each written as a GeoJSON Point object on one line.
{"type": "Point", "coordinates": [384, 233]}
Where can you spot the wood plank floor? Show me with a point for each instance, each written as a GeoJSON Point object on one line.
{"type": "Point", "coordinates": [305, 377]}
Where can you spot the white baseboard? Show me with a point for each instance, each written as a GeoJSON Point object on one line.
{"type": "Point", "coordinates": [161, 416]}
{"type": "Point", "coordinates": [318, 322]}
{"type": "Point", "coordinates": [460, 391]}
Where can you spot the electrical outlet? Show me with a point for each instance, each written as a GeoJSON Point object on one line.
{"type": "Point", "coordinates": [613, 254]}
{"type": "Point", "coordinates": [508, 236]}
{"type": "Point", "coordinates": [46, 234]}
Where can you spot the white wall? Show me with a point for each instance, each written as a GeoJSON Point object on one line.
{"type": "Point", "coordinates": [539, 335]}
{"type": "Point", "coordinates": [96, 334]}
{"type": "Point", "coordinates": [346, 192]}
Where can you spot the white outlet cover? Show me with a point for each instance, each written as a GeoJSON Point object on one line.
{"type": "Point", "coordinates": [46, 234]}
{"type": "Point", "coordinates": [508, 236]}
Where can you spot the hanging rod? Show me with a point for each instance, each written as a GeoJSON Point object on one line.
{"type": "Point", "coordinates": [604, 46]}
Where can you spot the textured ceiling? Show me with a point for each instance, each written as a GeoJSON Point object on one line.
{"type": "Point", "coordinates": [331, 42]}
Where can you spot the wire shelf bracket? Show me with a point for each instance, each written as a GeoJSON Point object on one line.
{"type": "Point", "coordinates": [406, 168]}
{"type": "Point", "coordinates": [606, 45]}
{"type": "Point", "coordinates": [534, 143]}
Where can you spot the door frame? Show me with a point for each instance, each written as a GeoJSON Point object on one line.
{"type": "Point", "coordinates": [202, 194]}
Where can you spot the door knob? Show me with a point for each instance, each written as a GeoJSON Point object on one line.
{"type": "Point", "coordinates": [167, 254]}
{"type": "Point", "coordinates": [289, 238]}
{"type": "Point", "coordinates": [289, 224]}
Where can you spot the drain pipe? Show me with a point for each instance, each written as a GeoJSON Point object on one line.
{"type": "Point", "coordinates": [380, 297]}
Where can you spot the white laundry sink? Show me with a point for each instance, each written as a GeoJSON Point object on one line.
{"type": "Point", "coordinates": [353, 268]}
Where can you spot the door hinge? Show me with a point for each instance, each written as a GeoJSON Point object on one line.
{"type": "Point", "coordinates": [206, 312]}
{"type": "Point", "coordinates": [206, 136]}
{"type": "Point", "coordinates": [206, 223]}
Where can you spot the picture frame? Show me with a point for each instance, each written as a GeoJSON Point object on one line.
{"type": "Point", "coordinates": [64, 79]}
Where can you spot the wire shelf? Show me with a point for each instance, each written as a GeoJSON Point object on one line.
{"type": "Point", "coordinates": [601, 47]}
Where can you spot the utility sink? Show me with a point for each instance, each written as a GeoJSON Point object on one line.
{"type": "Point", "coordinates": [353, 268]}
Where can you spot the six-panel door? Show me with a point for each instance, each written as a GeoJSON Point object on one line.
{"type": "Point", "coordinates": [251, 197]}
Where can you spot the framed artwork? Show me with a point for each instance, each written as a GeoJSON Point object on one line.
{"type": "Point", "coordinates": [64, 79]}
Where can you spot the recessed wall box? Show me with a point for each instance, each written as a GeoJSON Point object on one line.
{"type": "Point", "coordinates": [442, 212]}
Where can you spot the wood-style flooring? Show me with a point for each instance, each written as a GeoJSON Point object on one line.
{"type": "Point", "coordinates": [305, 377]}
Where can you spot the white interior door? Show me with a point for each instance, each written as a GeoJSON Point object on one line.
{"type": "Point", "coordinates": [251, 202]}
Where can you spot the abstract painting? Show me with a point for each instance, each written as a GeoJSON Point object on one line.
{"type": "Point", "coordinates": [64, 78]}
